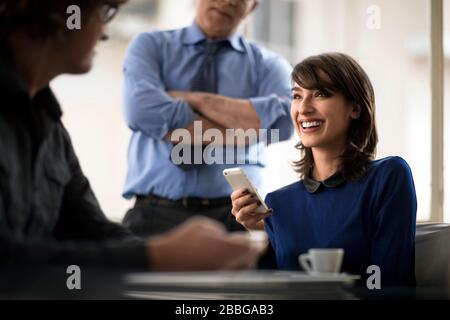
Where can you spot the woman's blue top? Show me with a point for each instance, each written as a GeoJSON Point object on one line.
{"type": "Point", "coordinates": [373, 220]}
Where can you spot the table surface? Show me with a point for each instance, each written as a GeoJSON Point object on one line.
{"type": "Point", "coordinates": [99, 283]}
{"type": "Point", "coordinates": [276, 285]}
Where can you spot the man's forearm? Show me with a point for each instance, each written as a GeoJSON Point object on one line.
{"type": "Point", "coordinates": [227, 112]}
{"type": "Point", "coordinates": [204, 131]}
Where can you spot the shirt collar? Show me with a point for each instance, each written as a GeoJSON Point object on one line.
{"type": "Point", "coordinates": [194, 35]}
{"type": "Point", "coordinates": [13, 89]}
{"type": "Point", "coordinates": [334, 181]}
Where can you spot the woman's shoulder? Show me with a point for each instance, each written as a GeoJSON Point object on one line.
{"type": "Point", "coordinates": [390, 166]}
{"type": "Point", "coordinates": [286, 191]}
{"type": "Point", "coordinates": [389, 163]}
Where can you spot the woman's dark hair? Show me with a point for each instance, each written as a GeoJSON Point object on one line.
{"type": "Point", "coordinates": [43, 18]}
{"type": "Point", "coordinates": [347, 77]}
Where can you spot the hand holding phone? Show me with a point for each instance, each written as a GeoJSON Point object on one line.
{"type": "Point", "coordinates": [237, 179]}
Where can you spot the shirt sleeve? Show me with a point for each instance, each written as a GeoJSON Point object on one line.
{"type": "Point", "coordinates": [80, 215]}
{"type": "Point", "coordinates": [268, 260]}
{"type": "Point", "coordinates": [15, 250]}
{"type": "Point", "coordinates": [82, 235]}
{"type": "Point", "coordinates": [147, 106]}
{"type": "Point", "coordinates": [393, 246]}
{"type": "Point", "coordinates": [272, 102]}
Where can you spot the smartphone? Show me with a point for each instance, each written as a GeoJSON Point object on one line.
{"type": "Point", "coordinates": [237, 179]}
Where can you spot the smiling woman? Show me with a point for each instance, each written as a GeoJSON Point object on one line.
{"type": "Point", "coordinates": [343, 94]}
{"type": "Point", "coordinates": [346, 199]}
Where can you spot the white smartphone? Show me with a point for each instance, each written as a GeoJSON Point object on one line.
{"type": "Point", "coordinates": [237, 179]}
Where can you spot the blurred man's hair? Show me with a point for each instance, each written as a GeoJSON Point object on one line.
{"type": "Point", "coordinates": [43, 18]}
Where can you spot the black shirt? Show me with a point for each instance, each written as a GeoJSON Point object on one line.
{"type": "Point", "coordinates": [48, 212]}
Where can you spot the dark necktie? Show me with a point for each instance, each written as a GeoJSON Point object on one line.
{"type": "Point", "coordinates": [206, 78]}
{"type": "Point", "coordinates": [205, 81]}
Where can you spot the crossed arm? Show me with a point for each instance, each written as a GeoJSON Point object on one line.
{"type": "Point", "coordinates": [152, 109]}
{"type": "Point", "coordinates": [218, 112]}
{"type": "Point", "coordinates": [226, 112]}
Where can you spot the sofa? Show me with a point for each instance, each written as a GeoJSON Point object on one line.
{"type": "Point", "coordinates": [433, 255]}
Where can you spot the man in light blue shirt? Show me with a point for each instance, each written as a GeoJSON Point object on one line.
{"type": "Point", "coordinates": [175, 78]}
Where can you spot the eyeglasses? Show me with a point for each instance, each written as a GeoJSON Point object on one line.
{"type": "Point", "coordinates": [108, 12]}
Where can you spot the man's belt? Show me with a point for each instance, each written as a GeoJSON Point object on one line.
{"type": "Point", "coordinates": [189, 202]}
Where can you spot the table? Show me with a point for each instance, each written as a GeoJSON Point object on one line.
{"type": "Point", "coordinates": [238, 285]}
{"type": "Point", "coordinates": [34, 282]}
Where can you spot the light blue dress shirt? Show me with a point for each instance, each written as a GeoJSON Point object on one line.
{"type": "Point", "coordinates": [157, 62]}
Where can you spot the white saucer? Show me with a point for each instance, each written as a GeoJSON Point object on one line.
{"type": "Point", "coordinates": [327, 274]}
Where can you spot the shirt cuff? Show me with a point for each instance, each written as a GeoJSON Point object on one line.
{"type": "Point", "coordinates": [270, 109]}
{"type": "Point", "coordinates": [183, 116]}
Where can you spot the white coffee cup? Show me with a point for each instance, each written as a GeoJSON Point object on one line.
{"type": "Point", "coordinates": [322, 261]}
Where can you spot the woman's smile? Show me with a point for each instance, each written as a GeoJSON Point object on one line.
{"type": "Point", "coordinates": [311, 126]}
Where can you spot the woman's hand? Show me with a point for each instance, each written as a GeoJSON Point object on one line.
{"type": "Point", "coordinates": [244, 210]}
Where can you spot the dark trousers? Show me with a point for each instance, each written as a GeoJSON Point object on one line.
{"type": "Point", "coordinates": [147, 218]}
